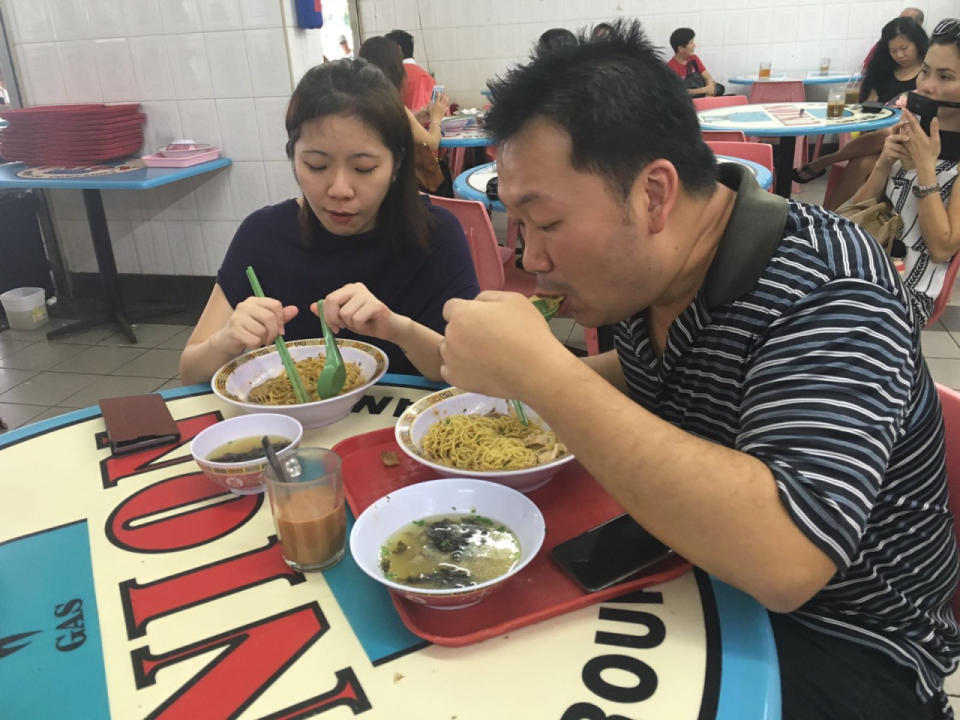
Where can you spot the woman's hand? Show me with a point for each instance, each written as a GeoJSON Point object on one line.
{"type": "Point", "coordinates": [923, 149]}
{"type": "Point", "coordinates": [438, 108]}
{"type": "Point", "coordinates": [893, 149]}
{"type": "Point", "coordinates": [357, 309]}
{"type": "Point", "coordinates": [255, 322]}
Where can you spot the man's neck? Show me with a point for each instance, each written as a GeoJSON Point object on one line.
{"type": "Point", "coordinates": [681, 59]}
{"type": "Point", "coordinates": [703, 220]}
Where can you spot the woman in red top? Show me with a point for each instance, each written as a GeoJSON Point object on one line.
{"type": "Point", "coordinates": [684, 63]}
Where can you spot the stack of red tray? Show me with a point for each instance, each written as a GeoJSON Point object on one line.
{"type": "Point", "coordinates": [71, 135]}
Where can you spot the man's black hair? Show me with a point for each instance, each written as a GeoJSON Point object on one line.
{"type": "Point", "coordinates": [681, 37]}
{"type": "Point", "coordinates": [620, 104]}
{"type": "Point", "coordinates": [404, 40]}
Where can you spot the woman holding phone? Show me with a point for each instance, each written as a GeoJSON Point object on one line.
{"type": "Point", "coordinates": [917, 172]}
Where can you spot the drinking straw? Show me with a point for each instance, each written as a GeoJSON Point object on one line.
{"type": "Point", "coordinates": [288, 365]}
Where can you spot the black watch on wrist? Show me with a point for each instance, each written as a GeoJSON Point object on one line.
{"type": "Point", "coordinates": [921, 191]}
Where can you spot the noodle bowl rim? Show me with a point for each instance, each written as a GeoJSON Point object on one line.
{"type": "Point", "coordinates": [404, 435]}
{"type": "Point", "coordinates": [221, 376]}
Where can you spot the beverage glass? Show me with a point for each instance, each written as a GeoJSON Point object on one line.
{"type": "Point", "coordinates": [308, 509]}
{"type": "Point", "coordinates": [764, 72]}
{"type": "Point", "coordinates": [852, 93]}
{"type": "Point", "coordinates": [824, 65]}
{"type": "Point", "coordinates": [836, 97]}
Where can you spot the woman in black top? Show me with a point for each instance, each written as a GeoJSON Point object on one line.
{"type": "Point", "coordinates": [359, 235]}
{"type": "Point", "coordinates": [890, 72]}
{"type": "Point", "coordinates": [893, 68]}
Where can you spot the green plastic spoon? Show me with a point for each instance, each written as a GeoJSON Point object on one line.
{"type": "Point", "coordinates": [334, 374]}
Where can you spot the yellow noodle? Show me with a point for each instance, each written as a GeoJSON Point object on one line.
{"type": "Point", "coordinates": [488, 442]}
{"type": "Point", "coordinates": [279, 391]}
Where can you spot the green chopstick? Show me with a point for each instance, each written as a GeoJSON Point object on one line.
{"type": "Point", "coordinates": [288, 365]}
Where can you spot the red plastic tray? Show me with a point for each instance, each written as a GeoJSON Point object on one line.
{"type": "Point", "coordinates": [571, 503]}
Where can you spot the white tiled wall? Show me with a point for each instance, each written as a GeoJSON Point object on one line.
{"type": "Point", "coordinates": [221, 71]}
{"type": "Point", "coordinates": [216, 71]}
{"type": "Point", "coordinates": [464, 42]}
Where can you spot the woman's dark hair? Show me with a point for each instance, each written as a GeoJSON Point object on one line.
{"type": "Point", "coordinates": [681, 37]}
{"type": "Point", "coordinates": [620, 104]}
{"type": "Point", "coordinates": [882, 66]}
{"type": "Point", "coordinates": [554, 38]}
{"type": "Point", "coordinates": [358, 89]}
{"type": "Point", "coordinates": [387, 56]}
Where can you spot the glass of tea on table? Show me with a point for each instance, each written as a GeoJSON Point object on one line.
{"type": "Point", "coordinates": [308, 509]}
{"type": "Point", "coordinates": [764, 72]}
{"type": "Point", "coordinates": [852, 93]}
{"type": "Point", "coordinates": [824, 65]}
{"type": "Point", "coordinates": [836, 97]}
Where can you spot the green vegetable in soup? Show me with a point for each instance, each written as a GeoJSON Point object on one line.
{"type": "Point", "coordinates": [449, 551]}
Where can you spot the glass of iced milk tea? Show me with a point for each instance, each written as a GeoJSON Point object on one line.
{"type": "Point", "coordinates": [835, 101]}
{"type": "Point", "coordinates": [308, 509]}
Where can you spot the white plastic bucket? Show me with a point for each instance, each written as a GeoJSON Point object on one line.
{"type": "Point", "coordinates": [25, 307]}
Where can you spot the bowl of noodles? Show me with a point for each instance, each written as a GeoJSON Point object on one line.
{"type": "Point", "coordinates": [464, 434]}
{"type": "Point", "coordinates": [257, 382]}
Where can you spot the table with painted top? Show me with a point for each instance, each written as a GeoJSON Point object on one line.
{"type": "Point", "coordinates": [813, 77]}
{"type": "Point", "coordinates": [787, 121]}
{"type": "Point", "coordinates": [139, 178]}
{"type": "Point", "coordinates": [134, 587]}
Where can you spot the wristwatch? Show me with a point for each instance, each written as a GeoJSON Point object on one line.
{"type": "Point", "coordinates": [921, 191]}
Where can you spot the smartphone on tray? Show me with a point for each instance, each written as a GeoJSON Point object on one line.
{"type": "Point", "coordinates": [609, 553]}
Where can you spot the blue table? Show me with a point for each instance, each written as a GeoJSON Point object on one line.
{"type": "Point", "coordinates": [788, 121]}
{"type": "Point", "coordinates": [139, 179]}
{"type": "Point", "coordinates": [161, 580]}
{"type": "Point", "coordinates": [811, 78]}
{"type": "Point", "coordinates": [472, 184]}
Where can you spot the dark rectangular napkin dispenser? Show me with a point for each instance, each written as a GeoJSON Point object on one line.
{"type": "Point", "coordinates": [135, 422]}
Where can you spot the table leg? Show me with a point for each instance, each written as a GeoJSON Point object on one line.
{"type": "Point", "coordinates": [784, 165]}
{"type": "Point", "coordinates": [107, 267]}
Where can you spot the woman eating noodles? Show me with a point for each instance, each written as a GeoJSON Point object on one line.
{"type": "Point", "coordinates": [917, 172]}
{"type": "Point", "coordinates": [360, 237]}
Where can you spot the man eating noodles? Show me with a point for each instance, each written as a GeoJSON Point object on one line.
{"type": "Point", "coordinates": [766, 412]}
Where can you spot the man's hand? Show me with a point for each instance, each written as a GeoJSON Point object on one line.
{"type": "Point", "coordinates": [496, 344]}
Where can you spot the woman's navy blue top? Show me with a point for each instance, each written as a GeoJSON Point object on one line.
{"type": "Point", "coordinates": [411, 281]}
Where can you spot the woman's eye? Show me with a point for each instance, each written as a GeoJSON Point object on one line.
{"type": "Point", "coordinates": [315, 168]}
{"type": "Point", "coordinates": [365, 171]}
{"type": "Point", "coordinates": [549, 226]}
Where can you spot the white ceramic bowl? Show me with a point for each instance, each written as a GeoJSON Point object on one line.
{"type": "Point", "coordinates": [234, 380]}
{"type": "Point", "coordinates": [437, 497]}
{"type": "Point", "coordinates": [417, 419]}
{"type": "Point", "coordinates": [243, 478]}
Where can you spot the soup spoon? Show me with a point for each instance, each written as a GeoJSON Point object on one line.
{"type": "Point", "coordinates": [331, 379]}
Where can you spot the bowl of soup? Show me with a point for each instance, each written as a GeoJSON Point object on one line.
{"type": "Point", "coordinates": [447, 543]}
{"type": "Point", "coordinates": [230, 453]}
{"type": "Point", "coordinates": [466, 434]}
{"type": "Point", "coordinates": [256, 381]}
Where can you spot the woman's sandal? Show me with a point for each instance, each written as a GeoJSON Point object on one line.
{"type": "Point", "coordinates": [798, 175]}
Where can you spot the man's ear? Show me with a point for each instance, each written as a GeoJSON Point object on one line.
{"type": "Point", "coordinates": [655, 193]}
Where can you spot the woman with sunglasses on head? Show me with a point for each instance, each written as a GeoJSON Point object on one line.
{"type": "Point", "coordinates": [891, 71]}
{"type": "Point", "coordinates": [917, 171]}
{"type": "Point", "coordinates": [360, 236]}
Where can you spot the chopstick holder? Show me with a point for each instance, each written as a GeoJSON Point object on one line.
{"type": "Point", "coordinates": [281, 346]}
